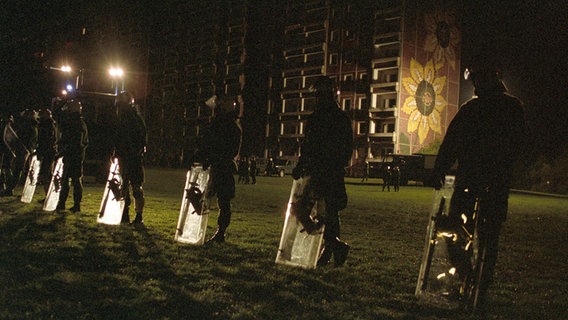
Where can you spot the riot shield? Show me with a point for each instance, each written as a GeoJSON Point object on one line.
{"type": "Point", "coordinates": [31, 180]}
{"type": "Point", "coordinates": [193, 215]}
{"type": "Point", "coordinates": [438, 282]}
{"type": "Point", "coordinates": [52, 197]}
{"type": "Point", "coordinates": [298, 247]}
{"type": "Point", "coordinates": [112, 204]}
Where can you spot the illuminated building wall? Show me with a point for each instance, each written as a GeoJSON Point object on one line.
{"type": "Point", "coordinates": [430, 75]}
{"type": "Point", "coordinates": [396, 65]}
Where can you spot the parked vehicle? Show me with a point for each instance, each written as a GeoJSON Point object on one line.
{"type": "Point", "coordinates": [279, 167]}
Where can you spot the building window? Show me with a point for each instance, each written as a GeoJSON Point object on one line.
{"type": "Point", "coordinates": [363, 104]}
{"type": "Point", "coordinates": [362, 127]}
{"type": "Point", "coordinates": [347, 104]}
{"type": "Point", "coordinates": [333, 59]}
{"type": "Point", "coordinates": [335, 36]}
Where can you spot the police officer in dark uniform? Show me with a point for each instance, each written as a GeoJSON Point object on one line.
{"type": "Point", "coordinates": [325, 152]}
{"type": "Point", "coordinates": [485, 138]}
{"type": "Point", "coordinates": [71, 145]}
{"type": "Point", "coordinates": [26, 128]}
{"type": "Point", "coordinates": [130, 139]}
{"type": "Point", "coordinates": [219, 149]}
{"type": "Point", "coordinates": [46, 148]}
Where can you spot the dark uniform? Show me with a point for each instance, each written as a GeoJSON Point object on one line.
{"type": "Point", "coordinates": [485, 138]}
{"type": "Point", "coordinates": [395, 178]}
{"type": "Point", "coordinates": [387, 178]}
{"type": "Point", "coordinates": [130, 139]}
{"type": "Point", "coordinates": [46, 148]}
{"type": "Point", "coordinates": [220, 146]}
{"type": "Point", "coordinates": [27, 130]}
{"type": "Point", "coordinates": [71, 145]}
{"type": "Point", "coordinates": [252, 170]}
{"type": "Point", "coordinates": [325, 152]}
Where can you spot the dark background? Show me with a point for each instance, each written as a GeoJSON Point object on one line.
{"type": "Point", "coordinates": [530, 39]}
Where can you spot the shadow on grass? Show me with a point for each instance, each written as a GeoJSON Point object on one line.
{"type": "Point", "coordinates": [60, 266]}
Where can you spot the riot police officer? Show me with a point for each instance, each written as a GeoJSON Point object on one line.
{"type": "Point", "coordinates": [130, 139]}
{"type": "Point", "coordinates": [71, 145]}
{"type": "Point", "coordinates": [485, 138]}
{"type": "Point", "coordinates": [219, 149]}
{"type": "Point", "coordinates": [325, 152]}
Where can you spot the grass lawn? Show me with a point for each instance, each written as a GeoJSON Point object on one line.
{"type": "Point", "coordinates": [66, 266]}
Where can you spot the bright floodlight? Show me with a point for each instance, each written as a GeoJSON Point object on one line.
{"type": "Point", "coordinates": [116, 72]}
{"type": "Point", "coordinates": [69, 88]}
{"type": "Point", "coordinates": [66, 68]}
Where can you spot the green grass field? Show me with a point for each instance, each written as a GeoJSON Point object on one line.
{"type": "Point", "coordinates": [66, 266]}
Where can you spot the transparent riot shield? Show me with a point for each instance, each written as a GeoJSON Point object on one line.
{"type": "Point", "coordinates": [438, 283]}
{"type": "Point", "coordinates": [52, 197]}
{"type": "Point", "coordinates": [112, 204]}
{"type": "Point", "coordinates": [194, 212]}
{"type": "Point", "coordinates": [31, 180]}
{"type": "Point", "coordinates": [298, 247]}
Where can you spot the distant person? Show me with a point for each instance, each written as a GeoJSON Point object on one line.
{"type": "Point", "coordinates": [485, 138]}
{"type": "Point", "coordinates": [243, 170]}
{"type": "Point", "coordinates": [365, 172]}
{"type": "Point", "coordinates": [325, 152]}
{"type": "Point", "coordinates": [71, 145]}
{"type": "Point", "coordinates": [269, 167]}
{"type": "Point", "coordinates": [219, 149]}
{"type": "Point", "coordinates": [253, 169]}
{"type": "Point", "coordinates": [387, 178]}
{"type": "Point", "coordinates": [46, 148]}
{"type": "Point", "coordinates": [395, 178]}
{"type": "Point", "coordinates": [130, 139]}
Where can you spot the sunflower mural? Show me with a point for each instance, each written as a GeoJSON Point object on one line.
{"type": "Point", "coordinates": [443, 37]}
{"type": "Point", "coordinates": [424, 103]}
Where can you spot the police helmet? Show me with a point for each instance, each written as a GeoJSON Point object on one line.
{"type": "Point", "coordinates": [73, 106]}
{"type": "Point", "coordinates": [44, 114]}
{"type": "Point", "coordinates": [29, 114]}
{"type": "Point", "coordinates": [124, 98]}
{"type": "Point", "coordinates": [483, 66]}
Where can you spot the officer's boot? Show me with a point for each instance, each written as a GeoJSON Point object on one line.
{"type": "Point", "coordinates": [218, 236]}
{"type": "Point", "coordinates": [139, 208]}
{"type": "Point", "coordinates": [325, 256]}
{"type": "Point", "coordinates": [125, 216]}
{"type": "Point", "coordinates": [340, 252]}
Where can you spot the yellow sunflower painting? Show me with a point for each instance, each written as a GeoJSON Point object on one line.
{"type": "Point", "coordinates": [425, 102]}
{"type": "Point", "coordinates": [443, 37]}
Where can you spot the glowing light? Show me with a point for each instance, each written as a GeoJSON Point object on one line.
{"type": "Point", "coordinates": [452, 271]}
{"type": "Point", "coordinates": [66, 68]}
{"type": "Point", "coordinates": [440, 276]}
{"type": "Point", "coordinates": [116, 72]}
{"type": "Point", "coordinates": [464, 218]}
{"type": "Point", "coordinates": [69, 88]}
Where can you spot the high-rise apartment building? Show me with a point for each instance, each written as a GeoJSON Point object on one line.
{"type": "Point", "coordinates": [396, 65]}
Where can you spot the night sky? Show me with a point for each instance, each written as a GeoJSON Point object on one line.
{"type": "Point", "coordinates": [529, 37]}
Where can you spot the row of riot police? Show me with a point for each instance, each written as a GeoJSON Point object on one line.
{"type": "Point", "coordinates": [61, 132]}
